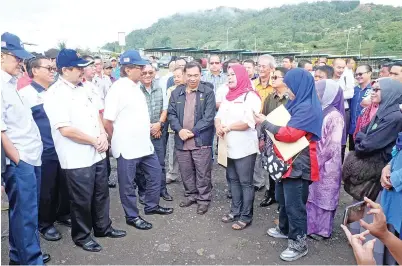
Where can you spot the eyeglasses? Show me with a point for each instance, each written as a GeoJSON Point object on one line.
{"type": "Point", "coordinates": [149, 73]}
{"type": "Point", "coordinates": [49, 68]}
{"type": "Point", "coordinates": [360, 74]}
{"type": "Point", "coordinates": [19, 60]}
{"type": "Point", "coordinates": [214, 63]}
{"type": "Point", "coordinates": [276, 77]}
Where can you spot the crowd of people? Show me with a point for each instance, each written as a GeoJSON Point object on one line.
{"type": "Point", "coordinates": [64, 115]}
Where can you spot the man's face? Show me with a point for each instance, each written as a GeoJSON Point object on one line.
{"type": "Point", "coordinates": [74, 75]}
{"type": "Point", "coordinates": [148, 74]}
{"type": "Point", "coordinates": [98, 65]}
{"type": "Point", "coordinates": [308, 67]}
{"type": "Point", "coordinates": [89, 72]}
{"type": "Point", "coordinates": [107, 71]}
{"type": "Point", "coordinates": [45, 72]}
{"type": "Point", "coordinates": [193, 77]}
{"type": "Point", "coordinates": [362, 75]}
{"type": "Point", "coordinates": [215, 64]}
{"type": "Point", "coordinates": [181, 63]}
{"type": "Point", "coordinates": [339, 67]}
{"type": "Point", "coordinates": [134, 72]}
{"type": "Point", "coordinates": [264, 70]}
{"type": "Point", "coordinates": [286, 63]}
{"type": "Point", "coordinates": [396, 73]}
{"type": "Point", "coordinates": [11, 64]}
{"type": "Point", "coordinates": [114, 63]}
{"type": "Point", "coordinates": [384, 72]}
{"type": "Point", "coordinates": [250, 69]}
{"type": "Point", "coordinates": [178, 77]}
{"type": "Point", "coordinates": [320, 75]}
{"type": "Point", "coordinates": [277, 80]}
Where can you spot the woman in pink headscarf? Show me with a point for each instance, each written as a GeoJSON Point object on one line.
{"type": "Point", "coordinates": [235, 122]}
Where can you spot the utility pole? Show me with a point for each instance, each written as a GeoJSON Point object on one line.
{"type": "Point", "coordinates": [227, 38]}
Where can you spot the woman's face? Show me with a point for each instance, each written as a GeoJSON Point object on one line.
{"type": "Point", "coordinates": [232, 79]}
{"type": "Point", "coordinates": [290, 94]}
{"type": "Point", "coordinates": [376, 93]}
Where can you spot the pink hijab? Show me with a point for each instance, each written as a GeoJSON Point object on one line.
{"type": "Point", "coordinates": [243, 83]}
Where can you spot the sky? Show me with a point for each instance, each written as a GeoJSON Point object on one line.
{"type": "Point", "coordinates": [92, 23]}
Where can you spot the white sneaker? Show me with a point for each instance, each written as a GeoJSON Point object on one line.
{"type": "Point", "coordinates": [291, 254]}
{"type": "Point", "coordinates": [276, 232]}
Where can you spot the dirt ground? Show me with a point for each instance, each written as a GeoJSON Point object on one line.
{"type": "Point", "coordinates": [187, 238]}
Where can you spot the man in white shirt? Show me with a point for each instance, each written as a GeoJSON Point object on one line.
{"type": "Point", "coordinates": [127, 122]}
{"type": "Point", "coordinates": [81, 141]}
{"type": "Point", "coordinates": [346, 81]}
{"type": "Point", "coordinates": [22, 144]}
{"type": "Point", "coordinates": [101, 80]}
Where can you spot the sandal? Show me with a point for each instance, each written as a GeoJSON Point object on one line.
{"type": "Point", "coordinates": [228, 218]}
{"type": "Point", "coordinates": [239, 225]}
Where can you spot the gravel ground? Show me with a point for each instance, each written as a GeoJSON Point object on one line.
{"type": "Point", "coordinates": [187, 238]}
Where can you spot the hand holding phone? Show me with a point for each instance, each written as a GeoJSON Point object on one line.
{"type": "Point", "coordinates": [354, 212]}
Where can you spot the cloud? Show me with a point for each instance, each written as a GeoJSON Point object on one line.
{"type": "Point", "coordinates": [92, 23]}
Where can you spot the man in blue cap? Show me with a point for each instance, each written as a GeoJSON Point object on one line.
{"type": "Point", "coordinates": [23, 148]}
{"type": "Point", "coordinates": [127, 122]}
{"type": "Point", "coordinates": [81, 141]}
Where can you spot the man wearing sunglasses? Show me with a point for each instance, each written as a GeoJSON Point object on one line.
{"type": "Point", "coordinates": [81, 141]}
{"type": "Point", "coordinates": [215, 74]}
{"type": "Point", "coordinates": [127, 121]}
{"type": "Point", "coordinates": [20, 138]}
{"type": "Point", "coordinates": [157, 108]}
{"type": "Point", "coordinates": [54, 204]}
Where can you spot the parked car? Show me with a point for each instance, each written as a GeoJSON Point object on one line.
{"type": "Point", "coordinates": [164, 61]}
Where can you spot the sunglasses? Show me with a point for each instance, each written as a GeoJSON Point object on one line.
{"type": "Point", "coordinates": [375, 89]}
{"type": "Point", "coordinates": [360, 74]}
{"type": "Point", "coordinates": [149, 73]}
{"type": "Point", "coordinates": [276, 77]}
{"type": "Point", "coordinates": [49, 68]}
{"type": "Point", "coordinates": [214, 63]}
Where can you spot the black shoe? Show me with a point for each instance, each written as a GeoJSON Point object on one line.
{"type": "Point", "coordinates": [139, 223]}
{"type": "Point", "coordinates": [114, 233]}
{"type": "Point", "coordinates": [50, 234]}
{"type": "Point", "coordinates": [268, 200]}
{"type": "Point", "coordinates": [91, 246]}
{"type": "Point", "coordinates": [65, 222]}
{"type": "Point", "coordinates": [187, 203]}
{"type": "Point", "coordinates": [202, 209]}
{"type": "Point", "coordinates": [46, 258]}
{"type": "Point", "coordinates": [111, 184]}
{"type": "Point", "coordinates": [160, 210]}
{"type": "Point", "coordinates": [165, 195]}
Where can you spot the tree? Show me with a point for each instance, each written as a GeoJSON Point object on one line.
{"type": "Point", "coordinates": [61, 45]}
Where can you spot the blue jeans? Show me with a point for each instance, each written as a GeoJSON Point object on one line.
{"type": "Point", "coordinates": [22, 185]}
{"type": "Point", "coordinates": [292, 195]}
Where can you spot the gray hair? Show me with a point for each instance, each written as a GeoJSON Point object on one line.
{"type": "Point", "coordinates": [269, 58]}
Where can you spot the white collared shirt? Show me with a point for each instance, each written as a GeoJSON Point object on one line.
{"type": "Point", "coordinates": [18, 124]}
{"type": "Point", "coordinates": [73, 106]}
{"type": "Point", "coordinates": [126, 106]}
{"type": "Point", "coordinates": [240, 143]}
{"type": "Point", "coordinates": [347, 83]}
{"type": "Point", "coordinates": [93, 89]}
{"type": "Point", "coordinates": [103, 83]}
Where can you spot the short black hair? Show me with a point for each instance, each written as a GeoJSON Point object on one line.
{"type": "Point", "coordinates": [233, 61]}
{"type": "Point", "coordinates": [282, 70]}
{"type": "Point", "coordinates": [397, 63]}
{"type": "Point", "coordinates": [387, 65]}
{"type": "Point", "coordinates": [291, 59]}
{"type": "Point", "coordinates": [251, 61]}
{"type": "Point", "coordinates": [303, 63]}
{"type": "Point", "coordinates": [97, 57]}
{"type": "Point", "coordinates": [34, 63]}
{"type": "Point", "coordinates": [192, 64]}
{"type": "Point", "coordinates": [367, 67]}
{"type": "Point", "coordinates": [329, 70]}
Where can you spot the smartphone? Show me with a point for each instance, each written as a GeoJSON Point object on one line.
{"type": "Point", "coordinates": [354, 212]}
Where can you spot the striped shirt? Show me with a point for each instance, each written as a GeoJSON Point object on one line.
{"type": "Point", "coordinates": [217, 80]}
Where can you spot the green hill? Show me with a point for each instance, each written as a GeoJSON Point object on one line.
{"type": "Point", "coordinates": [320, 27]}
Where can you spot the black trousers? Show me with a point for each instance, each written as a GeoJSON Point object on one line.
{"type": "Point", "coordinates": [54, 202]}
{"type": "Point", "coordinates": [89, 196]}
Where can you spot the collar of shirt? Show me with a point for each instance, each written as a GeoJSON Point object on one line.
{"type": "Point", "coordinates": [367, 87]}
{"type": "Point", "coordinates": [276, 95]}
{"type": "Point", "coordinates": [258, 83]}
{"type": "Point", "coordinates": [145, 89]}
{"type": "Point", "coordinates": [39, 88]}
{"type": "Point", "coordinates": [7, 78]}
{"type": "Point", "coordinates": [212, 75]}
{"type": "Point", "coordinates": [69, 83]}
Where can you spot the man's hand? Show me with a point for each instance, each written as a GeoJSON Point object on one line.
{"type": "Point", "coordinates": [190, 134]}
{"type": "Point", "coordinates": [379, 226]}
{"type": "Point", "coordinates": [219, 131]}
{"type": "Point", "coordinates": [364, 253]}
{"type": "Point", "coordinates": [385, 177]}
{"type": "Point", "coordinates": [155, 127]}
{"type": "Point", "coordinates": [259, 118]}
{"type": "Point", "coordinates": [184, 134]}
{"type": "Point", "coordinates": [158, 135]}
{"type": "Point", "coordinates": [103, 144]}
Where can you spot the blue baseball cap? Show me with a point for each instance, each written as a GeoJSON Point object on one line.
{"type": "Point", "coordinates": [70, 58]}
{"type": "Point", "coordinates": [12, 43]}
{"type": "Point", "coordinates": [132, 57]}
